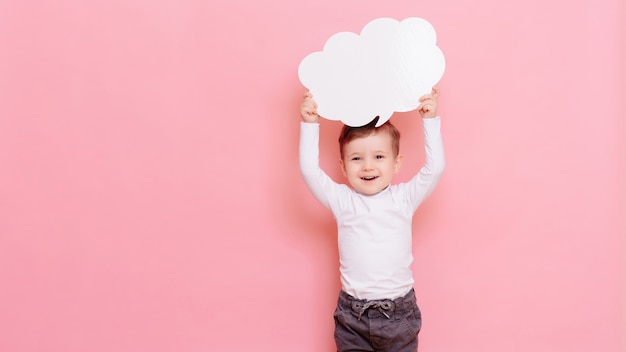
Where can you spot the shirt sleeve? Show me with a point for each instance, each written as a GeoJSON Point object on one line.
{"type": "Point", "coordinates": [426, 180]}
{"type": "Point", "coordinates": [321, 185]}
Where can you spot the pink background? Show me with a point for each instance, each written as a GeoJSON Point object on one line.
{"type": "Point", "coordinates": [150, 198]}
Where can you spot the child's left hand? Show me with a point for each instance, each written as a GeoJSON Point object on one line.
{"type": "Point", "coordinates": [428, 106]}
{"type": "Point", "coordinates": [308, 109]}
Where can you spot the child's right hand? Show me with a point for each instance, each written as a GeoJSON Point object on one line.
{"type": "Point", "coordinates": [308, 109]}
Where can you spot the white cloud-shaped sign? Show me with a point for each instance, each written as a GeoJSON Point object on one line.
{"type": "Point", "coordinates": [385, 69]}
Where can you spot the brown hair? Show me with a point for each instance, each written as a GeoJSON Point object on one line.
{"type": "Point", "coordinates": [350, 133]}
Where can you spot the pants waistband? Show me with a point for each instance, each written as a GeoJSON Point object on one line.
{"type": "Point", "coordinates": [385, 307]}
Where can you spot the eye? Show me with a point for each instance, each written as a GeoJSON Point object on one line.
{"type": "Point", "coordinates": [379, 156]}
{"type": "Point", "coordinates": [356, 158]}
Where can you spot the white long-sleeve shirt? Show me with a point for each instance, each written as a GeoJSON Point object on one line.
{"type": "Point", "coordinates": [374, 232]}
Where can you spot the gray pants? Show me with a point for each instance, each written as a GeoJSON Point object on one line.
{"type": "Point", "coordinates": [377, 325]}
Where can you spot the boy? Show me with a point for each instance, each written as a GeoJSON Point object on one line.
{"type": "Point", "coordinates": [376, 309]}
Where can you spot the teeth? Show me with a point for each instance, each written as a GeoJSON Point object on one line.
{"type": "Point", "coordinates": [368, 178]}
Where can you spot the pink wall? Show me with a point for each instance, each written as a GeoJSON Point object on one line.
{"type": "Point", "coordinates": [150, 198]}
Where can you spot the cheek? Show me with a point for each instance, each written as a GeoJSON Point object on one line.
{"type": "Point", "coordinates": [353, 170]}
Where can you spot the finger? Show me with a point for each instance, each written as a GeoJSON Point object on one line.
{"type": "Point", "coordinates": [425, 106]}
{"type": "Point", "coordinates": [309, 100]}
{"type": "Point", "coordinates": [426, 97]}
{"type": "Point", "coordinates": [308, 103]}
{"type": "Point", "coordinates": [435, 92]}
{"type": "Point", "coordinates": [309, 108]}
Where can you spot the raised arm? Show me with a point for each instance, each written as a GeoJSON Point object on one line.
{"type": "Point", "coordinates": [323, 187]}
{"type": "Point", "coordinates": [426, 180]}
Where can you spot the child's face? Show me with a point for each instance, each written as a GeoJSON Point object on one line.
{"type": "Point", "coordinates": [369, 163]}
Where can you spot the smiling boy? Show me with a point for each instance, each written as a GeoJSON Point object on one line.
{"type": "Point", "coordinates": [369, 156]}
{"type": "Point", "coordinates": [376, 309]}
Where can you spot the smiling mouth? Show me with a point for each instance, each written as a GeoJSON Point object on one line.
{"type": "Point", "coordinates": [369, 178]}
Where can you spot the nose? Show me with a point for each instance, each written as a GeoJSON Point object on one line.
{"type": "Point", "coordinates": [367, 165]}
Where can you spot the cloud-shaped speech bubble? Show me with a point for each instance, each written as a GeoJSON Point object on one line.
{"type": "Point", "coordinates": [386, 68]}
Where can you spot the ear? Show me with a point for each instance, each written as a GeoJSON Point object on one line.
{"type": "Point", "coordinates": [343, 167]}
{"type": "Point", "coordinates": [397, 164]}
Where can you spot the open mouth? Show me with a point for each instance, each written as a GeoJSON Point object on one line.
{"type": "Point", "coordinates": [369, 178]}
